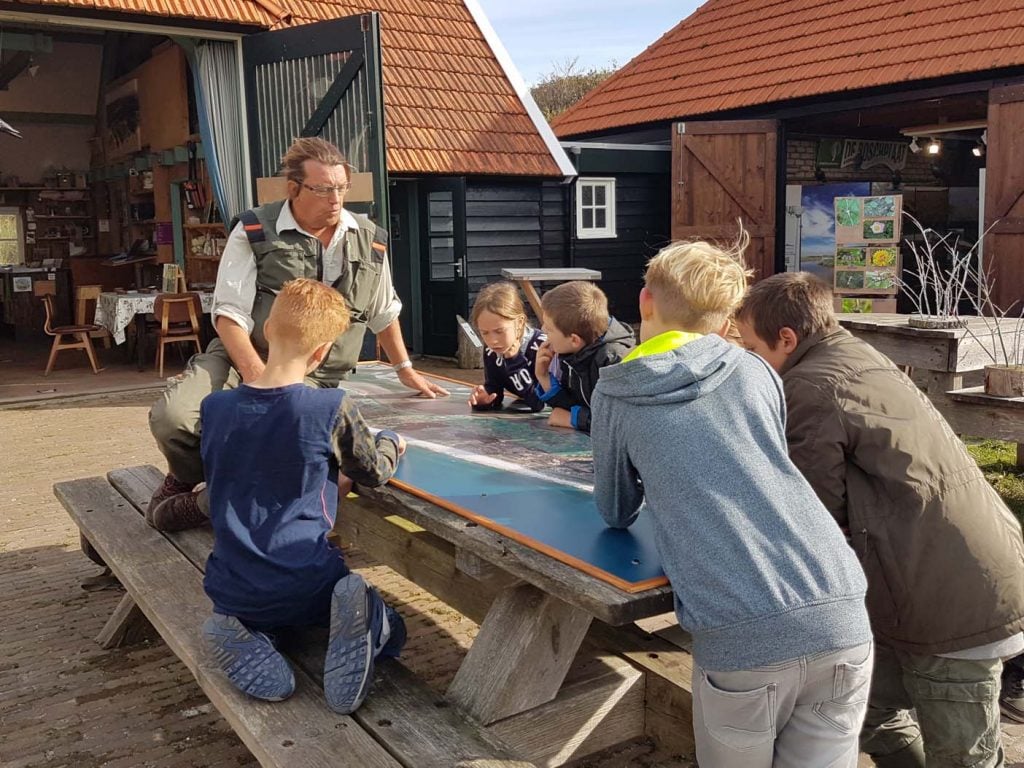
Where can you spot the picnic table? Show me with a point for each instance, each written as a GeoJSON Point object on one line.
{"type": "Point", "coordinates": [547, 677]}
{"type": "Point", "coordinates": [525, 278]}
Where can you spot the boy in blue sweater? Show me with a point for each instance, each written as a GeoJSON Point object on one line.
{"type": "Point", "coordinates": [272, 450]}
{"type": "Point", "coordinates": [763, 578]}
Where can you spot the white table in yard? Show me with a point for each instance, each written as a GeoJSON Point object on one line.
{"type": "Point", "coordinates": [116, 311]}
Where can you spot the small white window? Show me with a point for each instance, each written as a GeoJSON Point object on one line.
{"type": "Point", "coordinates": [595, 208]}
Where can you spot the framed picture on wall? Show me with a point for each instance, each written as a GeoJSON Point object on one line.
{"type": "Point", "coordinates": [122, 133]}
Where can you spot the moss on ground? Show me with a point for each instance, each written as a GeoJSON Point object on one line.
{"type": "Point", "coordinates": [998, 460]}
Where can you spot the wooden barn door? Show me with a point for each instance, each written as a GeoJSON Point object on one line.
{"type": "Point", "coordinates": [1004, 195]}
{"type": "Point", "coordinates": [324, 80]}
{"type": "Point", "coordinates": [723, 172]}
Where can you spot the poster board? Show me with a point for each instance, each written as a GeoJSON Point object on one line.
{"type": "Point", "coordinates": [867, 259]}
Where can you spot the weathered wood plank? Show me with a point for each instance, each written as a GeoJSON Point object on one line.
{"type": "Point", "coordinates": [668, 670]}
{"type": "Point", "coordinates": [520, 656]}
{"type": "Point", "coordinates": [483, 572]}
{"type": "Point", "coordinates": [401, 712]}
{"type": "Point", "coordinates": [980, 419]}
{"type": "Point", "coordinates": [168, 589]}
{"type": "Point", "coordinates": [601, 600]}
{"type": "Point", "coordinates": [552, 273]}
{"type": "Point", "coordinates": [602, 707]}
{"type": "Point", "coordinates": [419, 556]}
{"type": "Point", "coordinates": [418, 726]}
{"type": "Point", "coordinates": [127, 625]}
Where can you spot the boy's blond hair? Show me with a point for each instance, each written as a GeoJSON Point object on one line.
{"type": "Point", "coordinates": [306, 314]}
{"type": "Point", "coordinates": [697, 285]}
{"type": "Point", "coordinates": [501, 299]}
{"type": "Point", "coordinates": [578, 307]}
{"type": "Point", "coordinates": [795, 300]}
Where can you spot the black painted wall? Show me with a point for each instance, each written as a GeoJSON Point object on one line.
{"type": "Point", "coordinates": [530, 223]}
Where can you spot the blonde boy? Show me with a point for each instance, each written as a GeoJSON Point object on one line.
{"type": "Point", "coordinates": [273, 450]}
{"type": "Point", "coordinates": [693, 426]}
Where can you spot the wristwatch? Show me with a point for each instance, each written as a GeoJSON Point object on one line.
{"type": "Point", "coordinates": [402, 365]}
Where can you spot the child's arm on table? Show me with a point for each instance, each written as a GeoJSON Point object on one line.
{"type": "Point", "coordinates": [618, 491]}
{"type": "Point", "coordinates": [362, 457]}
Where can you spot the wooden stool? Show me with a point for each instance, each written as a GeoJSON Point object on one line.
{"type": "Point", "coordinates": [178, 315]}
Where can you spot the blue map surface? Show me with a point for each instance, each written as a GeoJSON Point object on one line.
{"type": "Point", "coordinates": [510, 472]}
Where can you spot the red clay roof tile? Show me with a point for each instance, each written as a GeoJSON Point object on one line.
{"type": "Point", "coordinates": [740, 53]}
{"type": "Point", "coordinates": [449, 106]}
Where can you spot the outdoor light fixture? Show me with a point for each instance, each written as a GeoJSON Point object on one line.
{"type": "Point", "coordinates": [978, 150]}
{"type": "Point", "coordinates": [914, 146]}
{"type": "Point", "coordinates": [934, 147]}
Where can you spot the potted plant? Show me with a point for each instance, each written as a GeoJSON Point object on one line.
{"type": "Point", "coordinates": [1002, 341]}
{"type": "Point", "coordinates": [944, 275]}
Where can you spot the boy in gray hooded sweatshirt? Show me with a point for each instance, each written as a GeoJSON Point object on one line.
{"type": "Point", "coordinates": [763, 577]}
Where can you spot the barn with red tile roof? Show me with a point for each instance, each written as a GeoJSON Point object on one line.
{"type": "Point", "coordinates": [762, 100]}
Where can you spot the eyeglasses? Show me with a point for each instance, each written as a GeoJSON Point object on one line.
{"type": "Point", "coordinates": [339, 190]}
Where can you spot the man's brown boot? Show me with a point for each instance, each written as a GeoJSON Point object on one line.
{"type": "Point", "coordinates": [171, 486]}
{"type": "Point", "coordinates": [179, 512]}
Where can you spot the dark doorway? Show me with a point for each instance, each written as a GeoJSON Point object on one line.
{"type": "Point", "coordinates": [442, 262]}
{"type": "Point", "coordinates": [404, 249]}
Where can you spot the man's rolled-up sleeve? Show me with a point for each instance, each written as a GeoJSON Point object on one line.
{"type": "Point", "coordinates": [235, 291]}
{"type": "Point", "coordinates": [385, 306]}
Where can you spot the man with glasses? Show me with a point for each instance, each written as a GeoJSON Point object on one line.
{"type": "Point", "coordinates": [309, 235]}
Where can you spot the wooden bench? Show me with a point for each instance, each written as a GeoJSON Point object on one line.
{"type": "Point", "coordinates": [525, 278]}
{"type": "Point", "coordinates": [402, 723]}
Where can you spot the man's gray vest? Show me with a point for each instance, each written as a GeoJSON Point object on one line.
{"type": "Point", "coordinates": [284, 256]}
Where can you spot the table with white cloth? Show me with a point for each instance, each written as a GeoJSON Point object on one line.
{"type": "Point", "coordinates": [116, 311]}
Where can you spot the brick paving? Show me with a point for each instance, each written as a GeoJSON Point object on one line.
{"type": "Point", "coordinates": [66, 702]}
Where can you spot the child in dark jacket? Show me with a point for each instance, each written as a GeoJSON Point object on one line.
{"type": "Point", "coordinates": [510, 349]}
{"type": "Point", "coordinates": [581, 340]}
{"type": "Point", "coordinates": [273, 450]}
{"type": "Point", "coordinates": [942, 553]}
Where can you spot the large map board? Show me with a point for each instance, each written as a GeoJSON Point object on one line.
{"type": "Point", "coordinates": [509, 472]}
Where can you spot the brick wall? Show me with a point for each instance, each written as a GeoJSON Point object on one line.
{"type": "Point", "coordinates": [800, 154]}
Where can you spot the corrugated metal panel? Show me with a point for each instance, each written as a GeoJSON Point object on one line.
{"type": "Point", "coordinates": [460, 114]}
{"type": "Point", "coordinates": [740, 53]}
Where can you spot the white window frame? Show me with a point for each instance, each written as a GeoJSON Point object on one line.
{"type": "Point", "coordinates": [607, 231]}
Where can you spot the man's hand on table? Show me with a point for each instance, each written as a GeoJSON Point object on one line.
{"type": "Point", "coordinates": [411, 378]}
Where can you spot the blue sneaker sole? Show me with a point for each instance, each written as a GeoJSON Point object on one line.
{"type": "Point", "coordinates": [348, 663]}
{"type": "Point", "coordinates": [248, 659]}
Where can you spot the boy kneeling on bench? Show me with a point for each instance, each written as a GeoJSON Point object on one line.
{"type": "Point", "coordinates": [272, 451]}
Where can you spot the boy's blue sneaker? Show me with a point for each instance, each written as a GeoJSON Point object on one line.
{"type": "Point", "coordinates": [249, 659]}
{"type": "Point", "coordinates": [396, 634]}
{"type": "Point", "coordinates": [362, 627]}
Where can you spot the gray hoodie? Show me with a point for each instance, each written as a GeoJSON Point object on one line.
{"type": "Point", "coordinates": [761, 572]}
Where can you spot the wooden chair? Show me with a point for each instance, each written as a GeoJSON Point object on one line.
{"type": "Point", "coordinates": [84, 294]}
{"type": "Point", "coordinates": [178, 315]}
{"type": "Point", "coordinates": [79, 336]}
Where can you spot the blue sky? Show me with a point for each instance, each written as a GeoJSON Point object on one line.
{"type": "Point", "coordinates": [540, 33]}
